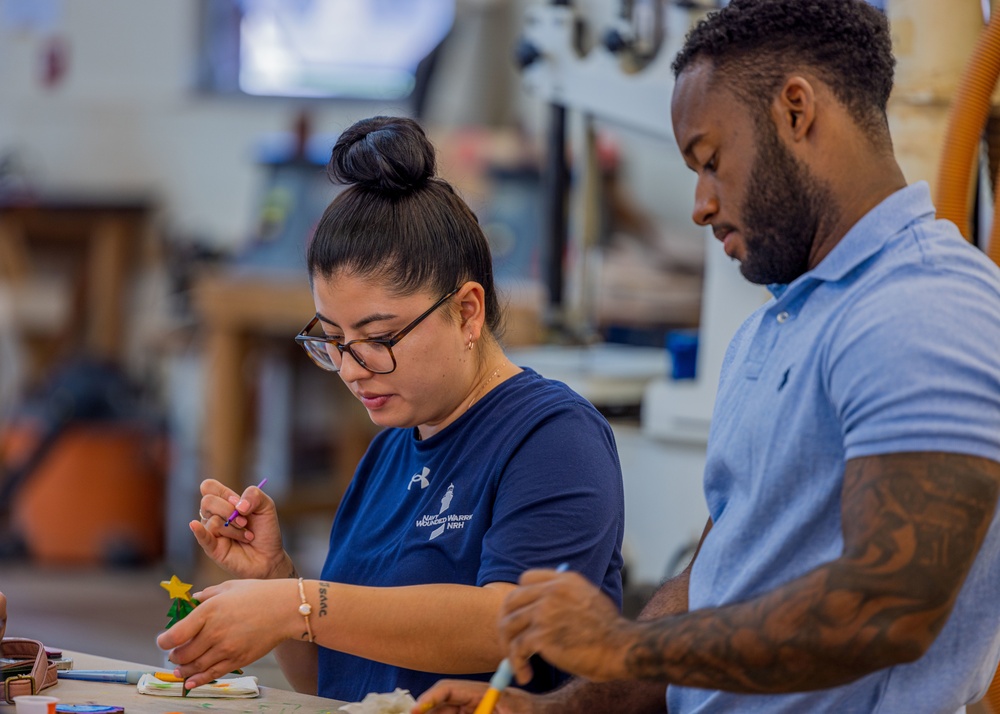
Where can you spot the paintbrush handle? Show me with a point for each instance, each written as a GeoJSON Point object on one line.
{"type": "Point", "coordinates": [501, 678]}
{"type": "Point", "coordinates": [488, 701]}
{"type": "Point", "coordinates": [232, 516]}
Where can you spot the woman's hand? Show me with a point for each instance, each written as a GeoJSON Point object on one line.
{"type": "Point", "coordinates": [250, 546]}
{"type": "Point", "coordinates": [237, 623]}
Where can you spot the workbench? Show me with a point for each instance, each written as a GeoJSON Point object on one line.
{"type": "Point", "coordinates": [271, 700]}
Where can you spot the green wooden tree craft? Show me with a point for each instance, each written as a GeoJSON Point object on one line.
{"type": "Point", "coordinates": [183, 604]}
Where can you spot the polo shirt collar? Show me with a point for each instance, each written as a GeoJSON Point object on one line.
{"type": "Point", "coordinates": [871, 233]}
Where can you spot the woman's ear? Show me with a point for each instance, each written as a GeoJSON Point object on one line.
{"type": "Point", "coordinates": [472, 308]}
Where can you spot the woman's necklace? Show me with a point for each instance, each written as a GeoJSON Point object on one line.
{"type": "Point", "coordinates": [479, 393]}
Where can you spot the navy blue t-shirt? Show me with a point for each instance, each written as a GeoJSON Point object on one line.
{"type": "Point", "coordinates": [527, 478]}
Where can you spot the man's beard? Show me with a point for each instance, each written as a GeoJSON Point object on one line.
{"type": "Point", "coordinates": [781, 214]}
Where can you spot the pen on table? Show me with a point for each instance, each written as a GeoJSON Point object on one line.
{"type": "Point", "coordinates": [124, 676]}
{"type": "Point", "coordinates": [235, 512]}
{"type": "Point", "coordinates": [501, 678]}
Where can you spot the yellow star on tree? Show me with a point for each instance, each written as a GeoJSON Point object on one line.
{"type": "Point", "coordinates": [176, 589]}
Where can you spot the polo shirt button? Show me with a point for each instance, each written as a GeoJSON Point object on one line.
{"type": "Point", "coordinates": [782, 317]}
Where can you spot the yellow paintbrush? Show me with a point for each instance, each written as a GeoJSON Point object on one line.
{"type": "Point", "coordinates": [501, 678]}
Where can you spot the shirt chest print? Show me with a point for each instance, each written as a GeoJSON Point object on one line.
{"type": "Point", "coordinates": [442, 520]}
{"type": "Point", "coordinates": [420, 478]}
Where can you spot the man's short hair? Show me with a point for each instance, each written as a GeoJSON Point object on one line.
{"type": "Point", "coordinates": [755, 45]}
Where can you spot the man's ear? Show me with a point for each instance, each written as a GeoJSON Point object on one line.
{"type": "Point", "coordinates": [796, 108]}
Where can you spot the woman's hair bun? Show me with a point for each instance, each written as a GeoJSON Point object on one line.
{"type": "Point", "coordinates": [387, 154]}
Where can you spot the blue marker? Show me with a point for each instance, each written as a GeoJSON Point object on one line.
{"type": "Point", "coordinates": [123, 676]}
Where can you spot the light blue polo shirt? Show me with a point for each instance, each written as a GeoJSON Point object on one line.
{"type": "Point", "coordinates": [891, 344]}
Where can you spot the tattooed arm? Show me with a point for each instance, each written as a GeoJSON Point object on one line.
{"type": "Point", "coordinates": [913, 524]}
{"type": "Point", "coordinates": [578, 696]}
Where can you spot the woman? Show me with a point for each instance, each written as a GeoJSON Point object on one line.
{"type": "Point", "coordinates": [483, 470]}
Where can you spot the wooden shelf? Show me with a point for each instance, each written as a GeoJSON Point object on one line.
{"type": "Point", "coordinates": [98, 237]}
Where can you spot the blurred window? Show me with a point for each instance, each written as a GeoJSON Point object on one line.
{"type": "Point", "coordinates": [352, 49]}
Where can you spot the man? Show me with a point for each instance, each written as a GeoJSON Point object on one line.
{"type": "Point", "coordinates": [852, 558]}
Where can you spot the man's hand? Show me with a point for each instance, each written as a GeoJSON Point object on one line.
{"type": "Point", "coordinates": [457, 696]}
{"type": "Point", "coordinates": [567, 621]}
{"type": "Point", "coordinates": [578, 696]}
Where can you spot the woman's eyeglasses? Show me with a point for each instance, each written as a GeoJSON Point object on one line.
{"type": "Point", "coordinates": [375, 355]}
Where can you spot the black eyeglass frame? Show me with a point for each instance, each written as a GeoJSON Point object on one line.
{"type": "Point", "coordinates": [388, 342]}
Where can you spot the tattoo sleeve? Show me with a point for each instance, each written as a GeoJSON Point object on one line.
{"type": "Point", "coordinates": [912, 525]}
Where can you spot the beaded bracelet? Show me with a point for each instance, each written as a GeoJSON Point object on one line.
{"type": "Point", "coordinates": [305, 609]}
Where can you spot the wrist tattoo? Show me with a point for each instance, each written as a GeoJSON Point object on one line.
{"type": "Point", "coordinates": [323, 599]}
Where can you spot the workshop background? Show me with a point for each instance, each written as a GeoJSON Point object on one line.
{"type": "Point", "coordinates": [161, 169]}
